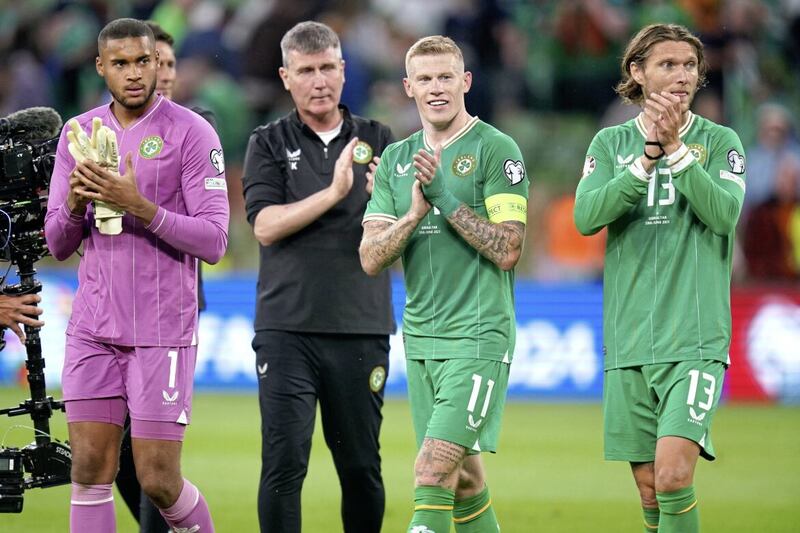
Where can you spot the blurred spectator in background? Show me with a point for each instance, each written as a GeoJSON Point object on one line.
{"type": "Point", "coordinates": [69, 46]}
{"type": "Point", "coordinates": [776, 139]}
{"type": "Point", "coordinates": [484, 32]}
{"type": "Point", "coordinates": [355, 92]}
{"type": "Point", "coordinates": [261, 55]}
{"type": "Point", "coordinates": [23, 82]}
{"type": "Point", "coordinates": [571, 256]}
{"type": "Point", "coordinates": [772, 234]}
{"type": "Point", "coordinates": [589, 38]}
{"type": "Point", "coordinates": [173, 16]}
{"type": "Point", "coordinates": [544, 70]}
{"type": "Point", "coordinates": [416, 17]}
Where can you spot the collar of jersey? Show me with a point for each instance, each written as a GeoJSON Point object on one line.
{"type": "Point", "coordinates": [294, 116]}
{"type": "Point", "coordinates": [117, 126]}
{"type": "Point", "coordinates": [681, 132]}
{"type": "Point", "coordinates": [456, 136]}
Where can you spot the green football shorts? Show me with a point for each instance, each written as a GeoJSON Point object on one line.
{"type": "Point", "coordinates": [458, 400]}
{"type": "Point", "coordinates": [644, 403]}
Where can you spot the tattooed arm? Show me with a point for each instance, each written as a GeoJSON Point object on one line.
{"type": "Point", "coordinates": [383, 242]}
{"type": "Point", "coordinates": [499, 243]}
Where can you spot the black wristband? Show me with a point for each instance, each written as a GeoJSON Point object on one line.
{"type": "Point", "coordinates": [654, 143]}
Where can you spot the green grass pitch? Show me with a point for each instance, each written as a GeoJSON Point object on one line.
{"type": "Point", "coordinates": [549, 475]}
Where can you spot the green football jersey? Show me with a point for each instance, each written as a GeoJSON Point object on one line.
{"type": "Point", "coordinates": [666, 293]}
{"type": "Point", "coordinates": [458, 303]}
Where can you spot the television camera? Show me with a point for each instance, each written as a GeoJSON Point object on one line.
{"type": "Point", "coordinates": [28, 140]}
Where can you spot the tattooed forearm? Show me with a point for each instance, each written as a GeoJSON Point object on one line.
{"type": "Point", "coordinates": [499, 243]}
{"type": "Point", "coordinates": [384, 242]}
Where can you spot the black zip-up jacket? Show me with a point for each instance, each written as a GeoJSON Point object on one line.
{"type": "Point", "coordinates": [312, 281]}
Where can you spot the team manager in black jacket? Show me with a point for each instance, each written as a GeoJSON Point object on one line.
{"type": "Point", "coordinates": [322, 326]}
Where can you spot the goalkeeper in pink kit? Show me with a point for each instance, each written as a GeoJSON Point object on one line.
{"type": "Point", "coordinates": [132, 336]}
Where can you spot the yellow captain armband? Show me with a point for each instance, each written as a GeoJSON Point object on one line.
{"type": "Point", "coordinates": [507, 207]}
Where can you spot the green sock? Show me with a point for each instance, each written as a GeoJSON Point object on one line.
{"type": "Point", "coordinates": [678, 511]}
{"type": "Point", "coordinates": [475, 514]}
{"type": "Point", "coordinates": [651, 515]}
{"type": "Point", "coordinates": [433, 510]}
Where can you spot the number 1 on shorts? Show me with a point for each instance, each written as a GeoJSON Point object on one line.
{"type": "Point", "coordinates": [173, 367]}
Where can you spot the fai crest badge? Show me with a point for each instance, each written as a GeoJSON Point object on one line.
{"type": "Point", "coordinates": [151, 146]}
{"type": "Point", "coordinates": [362, 153]}
{"type": "Point", "coordinates": [514, 171]}
{"type": "Point", "coordinates": [464, 165]}
{"type": "Point", "coordinates": [377, 378]}
{"type": "Point", "coordinates": [699, 152]}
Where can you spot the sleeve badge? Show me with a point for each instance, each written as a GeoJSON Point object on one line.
{"type": "Point", "coordinates": [514, 171]}
{"type": "Point", "coordinates": [217, 160]}
{"type": "Point", "coordinates": [588, 166]}
{"type": "Point", "coordinates": [736, 161]}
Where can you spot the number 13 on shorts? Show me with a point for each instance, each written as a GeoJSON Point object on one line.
{"type": "Point", "coordinates": [709, 386]}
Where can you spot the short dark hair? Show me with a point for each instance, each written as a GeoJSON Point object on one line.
{"type": "Point", "coordinates": [639, 49]}
{"type": "Point", "coordinates": [309, 37]}
{"type": "Point", "coordinates": [122, 29]}
{"type": "Point", "coordinates": [160, 33]}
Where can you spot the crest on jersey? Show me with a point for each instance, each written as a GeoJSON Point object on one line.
{"type": "Point", "coordinates": [514, 170]}
{"type": "Point", "coordinates": [588, 166]}
{"type": "Point", "coordinates": [377, 378]}
{"type": "Point", "coordinates": [151, 146]}
{"type": "Point", "coordinates": [362, 153]}
{"type": "Point", "coordinates": [293, 155]}
{"type": "Point", "coordinates": [699, 152]}
{"type": "Point", "coordinates": [736, 161]}
{"type": "Point", "coordinates": [464, 165]}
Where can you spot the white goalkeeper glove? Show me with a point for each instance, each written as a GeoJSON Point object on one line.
{"type": "Point", "coordinates": [102, 149]}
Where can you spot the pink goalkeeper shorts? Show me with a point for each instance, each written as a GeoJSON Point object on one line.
{"type": "Point", "coordinates": [154, 382]}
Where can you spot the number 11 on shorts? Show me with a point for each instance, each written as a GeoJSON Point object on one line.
{"type": "Point", "coordinates": [473, 399]}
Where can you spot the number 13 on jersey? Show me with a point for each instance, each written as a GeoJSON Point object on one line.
{"type": "Point", "coordinates": [666, 185]}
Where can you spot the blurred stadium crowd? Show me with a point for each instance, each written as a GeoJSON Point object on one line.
{"type": "Point", "coordinates": [544, 72]}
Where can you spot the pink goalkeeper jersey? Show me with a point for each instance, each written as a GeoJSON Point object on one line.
{"type": "Point", "coordinates": [139, 288]}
